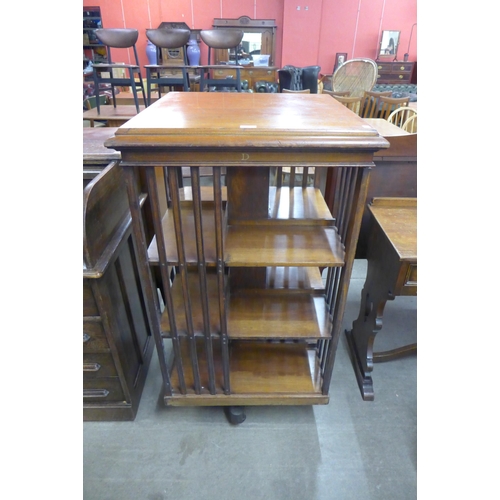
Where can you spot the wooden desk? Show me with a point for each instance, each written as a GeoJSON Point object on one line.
{"type": "Point", "coordinates": [96, 157]}
{"type": "Point", "coordinates": [249, 318]}
{"type": "Point", "coordinates": [114, 117]}
{"type": "Point", "coordinates": [395, 172]}
{"type": "Point", "coordinates": [392, 271]}
{"type": "Point", "coordinates": [117, 340]}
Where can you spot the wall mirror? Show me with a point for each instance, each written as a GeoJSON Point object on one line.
{"type": "Point", "coordinates": [258, 38]}
{"type": "Point", "coordinates": [389, 43]}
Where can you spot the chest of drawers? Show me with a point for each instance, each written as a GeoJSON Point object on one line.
{"type": "Point", "coordinates": [395, 72]}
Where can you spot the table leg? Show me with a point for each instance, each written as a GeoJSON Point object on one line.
{"type": "Point", "coordinates": [379, 287]}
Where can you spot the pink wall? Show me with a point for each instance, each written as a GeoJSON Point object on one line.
{"type": "Point", "coordinates": [304, 37]}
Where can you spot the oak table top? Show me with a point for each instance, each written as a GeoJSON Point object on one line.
{"type": "Point", "coordinates": [227, 120]}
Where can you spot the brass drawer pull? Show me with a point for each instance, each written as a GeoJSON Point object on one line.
{"type": "Point", "coordinates": [401, 77]}
{"type": "Point", "coordinates": [402, 68]}
{"type": "Point", "coordinates": [91, 367]}
{"type": "Point", "coordinates": [86, 337]}
{"type": "Point", "coordinates": [95, 393]}
{"type": "Point", "coordinates": [379, 67]}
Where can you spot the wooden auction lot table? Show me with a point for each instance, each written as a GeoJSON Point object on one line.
{"type": "Point", "coordinates": [392, 272]}
{"type": "Point", "coordinates": [247, 315]}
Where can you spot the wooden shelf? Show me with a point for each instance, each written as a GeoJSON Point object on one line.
{"type": "Point", "coordinates": [291, 306]}
{"type": "Point", "coordinates": [277, 314]}
{"type": "Point", "coordinates": [299, 206]}
{"type": "Point", "coordinates": [260, 373]}
{"type": "Point", "coordinates": [283, 245]}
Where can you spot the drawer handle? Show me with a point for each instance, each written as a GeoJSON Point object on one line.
{"type": "Point", "coordinates": [401, 77]}
{"type": "Point", "coordinates": [86, 337]}
{"type": "Point", "coordinates": [402, 68]}
{"type": "Point", "coordinates": [380, 67]}
{"type": "Point", "coordinates": [91, 367]}
{"type": "Point", "coordinates": [95, 393]}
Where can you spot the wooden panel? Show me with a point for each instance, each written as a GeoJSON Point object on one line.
{"type": "Point", "coordinates": [89, 303]}
{"type": "Point", "coordinates": [248, 193]}
{"type": "Point", "coordinates": [410, 281]}
{"type": "Point", "coordinates": [105, 205]}
{"type": "Point", "coordinates": [282, 245]}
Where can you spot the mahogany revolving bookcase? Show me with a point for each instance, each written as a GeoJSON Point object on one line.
{"type": "Point", "coordinates": [243, 316]}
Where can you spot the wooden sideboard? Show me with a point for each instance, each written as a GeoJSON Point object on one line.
{"type": "Point", "coordinates": [395, 72]}
{"type": "Point", "coordinates": [250, 73]}
{"type": "Point", "coordinates": [247, 315]}
{"type": "Point", "coordinates": [117, 334]}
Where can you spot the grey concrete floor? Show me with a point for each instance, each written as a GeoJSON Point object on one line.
{"type": "Point", "coordinates": [348, 449]}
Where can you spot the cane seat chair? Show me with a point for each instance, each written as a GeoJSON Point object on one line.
{"type": "Point", "coordinates": [167, 74]}
{"type": "Point", "coordinates": [221, 39]}
{"type": "Point", "coordinates": [371, 103]}
{"type": "Point", "coordinates": [104, 73]}
{"type": "Point", "coordinates": [355, 76]}
{"type": "Point", "coordinates": [399, 116]}
{"type": "Point", "coordinates": [390, 104]}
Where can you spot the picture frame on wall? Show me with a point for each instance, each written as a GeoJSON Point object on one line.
{"type": "Point", "coordinates": [340, 58]}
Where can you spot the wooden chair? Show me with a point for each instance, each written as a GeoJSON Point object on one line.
{"type": "Point", "coordinates": [355, 76]}
{"type": "Point", "coordinates": [303, 91]}
{"type": "Point", "coordinates": [410, 125]}
{"type": "Point", "coordinates": [352, 103]}
{"type": "Point", "coordinates": [371, 103]}
{"type": "Point", "coordinates": [221, 39]}
{"type": "Point", "coordinates": [399, 116]}
{"type": "Point", "coordinates": [167, 74]}
{"type": "Point", "coordinates": [346, 93]}
{"type": "Point", "coordinates": [390, 104]}
{"type": "Point", "coordinates": [105, 72]}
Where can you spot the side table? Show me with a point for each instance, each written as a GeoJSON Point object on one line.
{"type": "Point", "coordinates": [392, 272]}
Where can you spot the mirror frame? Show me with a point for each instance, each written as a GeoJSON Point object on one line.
{"type": "Point", "coordinates": [266, 27]}
{"type": "Point", "coordinates": [387, 36]}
